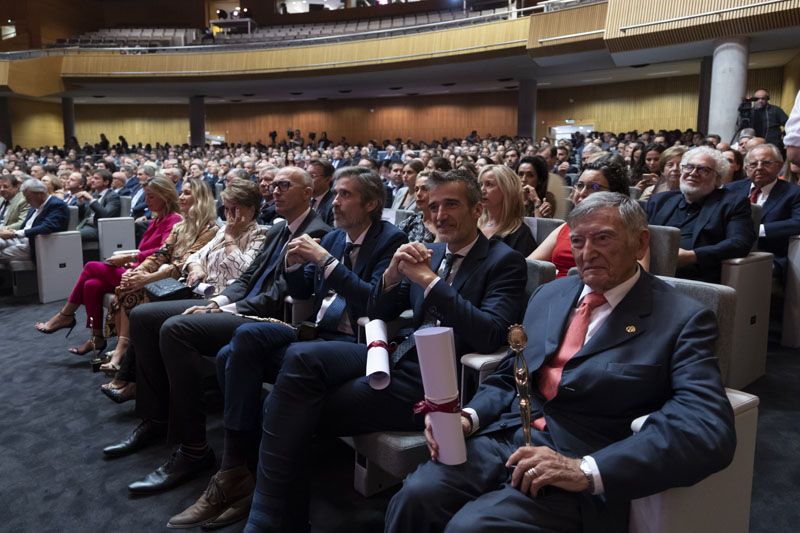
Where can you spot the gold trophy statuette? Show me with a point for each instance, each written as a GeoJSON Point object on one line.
{"type": "Point", "coordinates": [517, 341]}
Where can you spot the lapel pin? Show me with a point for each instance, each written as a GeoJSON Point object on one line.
{"type": "Point", "coordinates": [630, 329]}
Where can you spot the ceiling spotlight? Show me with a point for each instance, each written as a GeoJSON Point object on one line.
{"type": "Point", "coordinates": [222, 14]}
{"type": "Point", "coordinates": [244, 10]}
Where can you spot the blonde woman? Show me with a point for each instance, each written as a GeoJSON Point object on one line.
{"type": "Point", "coordinates": [98, 278]}
{"type": "Point", "coordinates": [504, 209]}
{"type": "Point", "coordinates": [197, 228]}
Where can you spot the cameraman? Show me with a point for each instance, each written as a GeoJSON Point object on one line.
{"type": "Point", "coordinates": [766, 119]}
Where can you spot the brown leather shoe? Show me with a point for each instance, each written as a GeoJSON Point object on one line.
{"type": "Point", "coordinates": [236, 512]}
{"type": "Point", "coordinates": [226, 489]}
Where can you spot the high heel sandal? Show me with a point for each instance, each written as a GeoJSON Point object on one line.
{"type": "Point", "coordinates": [86, 347]}
{"type": "Point", "coordinates": [48, 331]}
{"type": "Point", "coordinates": [109, 368]}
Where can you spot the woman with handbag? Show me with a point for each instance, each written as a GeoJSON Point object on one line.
{"type": "Point", "coordinates": [197, 228]}
{"type": "Point", "coordinates": [218, 263]}
{"type": "Point", "coordinates": [100, 277]}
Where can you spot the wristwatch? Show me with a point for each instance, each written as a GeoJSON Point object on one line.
{"type": "Point", "coordinates": [587, 473]}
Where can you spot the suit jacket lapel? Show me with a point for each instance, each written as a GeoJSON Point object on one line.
{"type": "Point", "coordinates": [707, 212]}
{"type": "Point", "coordinates": [367, 247]}
{"type": "Point", "coordinates": [558, 313]}
{"type": "Point", "coordinates": [775, 195]}
{"type": "Point", "coordinates": [468, 265]}
{"type": "Point", "coordinates": [625, 322]}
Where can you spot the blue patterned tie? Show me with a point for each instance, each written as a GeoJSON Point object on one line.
{"type": "Point", "coordinates": [274, 257]}
{"type": "Point", "coordinates": [333, 314]}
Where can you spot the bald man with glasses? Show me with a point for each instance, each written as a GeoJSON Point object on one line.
{"type": "Point", "coordinates": [715, 223]}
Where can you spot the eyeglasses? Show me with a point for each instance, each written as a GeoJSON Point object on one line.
{"type": "Point", "coordinates": [283, 185]}
{"type": "Point", "coordinates": [701, 170]}
{"type": "Point", "coordinates": [752, 165]}
{"type": "Point", "coordinates": [594, 187]}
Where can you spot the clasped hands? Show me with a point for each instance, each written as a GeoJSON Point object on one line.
{"type": "Point", "coordinates": [6, 233]}
{"type": "Point", "coordinates": [304, 248]}
{"type": "Point", "coordinates": [534, 466]}
{"type": "Point", "coordinates": [133, 280]}
{"type": "Point", "coordinates": [412, 260]}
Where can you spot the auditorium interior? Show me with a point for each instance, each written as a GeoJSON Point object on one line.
{"type": "Point", "coordinates": [280, 83]}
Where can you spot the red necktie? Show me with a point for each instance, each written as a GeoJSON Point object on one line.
{"type": "Point", "coordinates": [549, 375]}
{"type": "Point", "coordinates": [754, 195]}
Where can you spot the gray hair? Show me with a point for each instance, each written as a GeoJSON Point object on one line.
{"type": "Point", "coordinates": [150, 170]}
{"type": "Point", "coordinates": [721, 163]}
{"type": "Point", "coordinates": [630, 211]}
{"type": "Point", "coordinates": [771, 147]}
{"type": "Point", "coordinates": [34, 185]}
{"type": "Point", "coordinates": [238, 173]}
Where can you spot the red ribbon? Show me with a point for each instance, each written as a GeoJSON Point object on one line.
{"type": "Point", "coordinates": [378, 344]}
{"type": "Point", "coordinates": [427, 406]}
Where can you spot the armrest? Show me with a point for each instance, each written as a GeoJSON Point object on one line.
{"type": "Point", "coordinates": [118, 252]}
{"type": "Point", "coordinates": [295, 310]}
{"type": "Point", "coordinates": [740, 402]}
{"type": "Point", "coordinates": [484, 362]}
{"type": "Point", "coordinates": [752, 257]}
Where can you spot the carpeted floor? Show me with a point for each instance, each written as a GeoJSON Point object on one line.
{"type": "Point", "coordinates": [55, 422]}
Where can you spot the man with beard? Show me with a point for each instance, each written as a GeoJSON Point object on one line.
{"type": "Point", "coordinates": [715, 223]}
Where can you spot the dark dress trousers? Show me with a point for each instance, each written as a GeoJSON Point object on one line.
{"type": "Point", "coordinates": [174, 351]}
{"type": "Point", "coordinates": [652, 355]}
{"type": "Point", "coordinates": [255, 352]}
{"type": "Point", "coordinates": [321, 387]}
{"type": "Point", "coordinates": [780, 216]}
{"type": "Point", "coordinates": [722, 229]}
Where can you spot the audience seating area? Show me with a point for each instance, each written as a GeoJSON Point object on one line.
{"type": "Point", "coordinates": [131, 38]}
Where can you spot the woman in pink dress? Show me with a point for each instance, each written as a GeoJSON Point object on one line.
{"type": "Point", "coordinates": [101, 277]}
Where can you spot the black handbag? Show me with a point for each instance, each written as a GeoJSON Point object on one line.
{"type": "Point", "coordinates": [167, 289]}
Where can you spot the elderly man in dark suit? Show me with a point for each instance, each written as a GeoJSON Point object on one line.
{"type": "Point", "coordinates": [175, 342]}
{"type": "Point", "coordinates": [779, 201]}
{"type": "Point", "coordinates": [102, 202]}
{"type": "Point", "coordinates": [603, 349]}
{"type": "Point", "coordinates": [715, 222]}
{"type": "Point", "coordinates": [47, 214]}
{"type": "Point", "coordinates": [340, 272]}
{"type": "Point", "coordinates": [466, 282]}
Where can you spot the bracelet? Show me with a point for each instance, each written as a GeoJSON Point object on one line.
{"type": "Point", "coordinates": [327, 262]}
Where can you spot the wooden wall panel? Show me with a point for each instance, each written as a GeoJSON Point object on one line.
{"type": "Point", "coordinates": [770, 79]}
{"type": "Point", "coordinates": [36, 77]}
{"type": "Point", "coordinates": [59, 19]}
{"type": "Point", "coordinates": [154, 13]}
{"type": "Point", "coordinates": [664, 103]}
{"type": "Point", "coordinates": [504, 35]}
{"type": "Point", "coordinates": [623, 13]}
{"type": "Point", "coordinates": [791, 83]}
{"type": "Point", "coordinates": [36, 123]}
{"type": "Point", "coordinates": [418, 118]}
{"type": "Point", "coordinates": [137, 123]}
{"type": "Point", "coordinates": [567, 22]}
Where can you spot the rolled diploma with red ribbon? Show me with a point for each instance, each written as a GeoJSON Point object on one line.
{"type": "Point", "coordinates": [377, 354]}
{"type": "Point", "coordinates": [436, 352]}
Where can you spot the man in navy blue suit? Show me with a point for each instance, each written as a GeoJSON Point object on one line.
{"type": "Point", "coordinates": [340, 272]}
{"type": "Point", "coordinates": [466, 282]}
{"type": "Point", "coordinates": [715, 222]}
{"type": "Point", "coordinates": [46, 215]}
{"type": "Point", "coordinates": [603, 349]}
{"type": "Point", "coordinates": [779, 201]}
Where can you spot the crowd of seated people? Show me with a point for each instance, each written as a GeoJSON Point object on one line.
{"type": "Point", "coordinates": [457, 261]}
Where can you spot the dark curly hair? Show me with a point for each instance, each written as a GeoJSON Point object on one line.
{"type": "Point", "coordinates": [614, 171]}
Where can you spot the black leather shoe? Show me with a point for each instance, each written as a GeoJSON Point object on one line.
{"type": "Point", "coordinates": [175, 471]}
{"type": "Point", "coordinates": [145, 433]}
